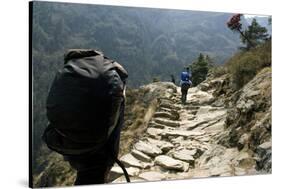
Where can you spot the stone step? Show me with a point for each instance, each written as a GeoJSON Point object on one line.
{"type": "Point", "coordinates": [185, 155]}
{"type": "Point", "coordinates": [167, 122]}
{"type": "Point", "coordinates": [183, 133]}
{"type": "Point", "coordinates": [141, 156]}
{"type": "Point", "coordinates": [163, 145]}
{"type": "Point", "coordinates": [166, 115]}
{"type": "Point", "coordinates": [170, 163]}
{"type": "Point", "coordinates": [191, 107]}
{"type": "Point", "coordinates": [122, 179]}
{"type": "Point", "coordinates": [154, 132]}
{"type": "Point", "coordinates": [147, 148]}
{"type": "Point", "coordinates": [169, 106]}
{"type": "Point", "coordinates": [130, 161]}
{"type": "Point", "coordinates": [152, 176]}
{"type": "Point", "coordinates": [165, 109]}
{"type": "Point", "coordinates": [156, 125]}
{"type": "Point", "coordinates": [116, 171]}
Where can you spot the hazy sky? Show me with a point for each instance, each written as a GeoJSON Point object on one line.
{"type": "Point", "coordinates": [253, 15]}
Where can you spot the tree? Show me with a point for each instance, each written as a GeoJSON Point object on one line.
{"type": "Point", "coordinates": [255, 33]}
{"type": "Point", "coordinates": [210, 61]}
{"type": "Point", "coordinates": [235, 25]}
{"type": "Point", "coordinates": [251, 37]}
{"type": "Point", "coordinates": [199, 69]}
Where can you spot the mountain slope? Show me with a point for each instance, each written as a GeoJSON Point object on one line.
{"type": "Point", "coordinates": [158, 40]}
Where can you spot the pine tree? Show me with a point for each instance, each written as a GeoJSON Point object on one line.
{"type": "Point", "coordinates": [210, 61]}
{"type": "Point", "coordinates": [255, 33]}
{"type": "Point", "coordinates": [200, 70]}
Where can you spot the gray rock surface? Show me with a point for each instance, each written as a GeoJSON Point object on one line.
{"type": "Point", "coordinates": [152, 176]}
{"type": "Point", "coordinates": [130, 160]}
{"type": "Point", "coordinates": [147, 148]}
{"type": "Point", "coordinates": [169, 163]}
{"type": "Point", "coordinates": [140, 156]}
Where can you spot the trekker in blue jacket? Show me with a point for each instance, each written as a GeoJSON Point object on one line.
{"type": "Point", "coordinates": [185, 83]}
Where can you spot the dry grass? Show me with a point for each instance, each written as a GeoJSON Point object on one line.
{"type": "Point", "coordinates": [137, 115]}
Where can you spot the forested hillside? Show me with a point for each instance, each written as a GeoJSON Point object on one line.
{"type": "Point", "coordinates": [150, 43]}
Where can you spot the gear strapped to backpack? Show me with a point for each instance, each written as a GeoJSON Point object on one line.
{"type": "Point", "coordinates": [84, 103]}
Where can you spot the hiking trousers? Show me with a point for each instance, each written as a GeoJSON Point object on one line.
{"type": "Point", "coordinates": [184, 90]}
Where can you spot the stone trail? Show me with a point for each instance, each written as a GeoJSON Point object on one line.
{"type": "Point", "coordinates": [181, 142]}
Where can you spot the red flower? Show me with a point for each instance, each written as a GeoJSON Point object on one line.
{"type": "Point", "coordinates": [234, 22]}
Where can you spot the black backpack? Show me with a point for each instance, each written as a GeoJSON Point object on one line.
{"type": "Point", "coordinates": [84, 102]}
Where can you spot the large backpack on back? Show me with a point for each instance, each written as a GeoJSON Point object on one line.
{"type": "Point", "coordinates": [84, 102]}
{"type": "Point", "coordinates": [185, 76]}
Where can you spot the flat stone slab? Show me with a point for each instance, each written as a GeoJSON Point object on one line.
{"type": "Point", "coordinates": [154, 132]}
{"type": "Point", "coordinates": [156, 125]}
{"type": "Point", "coordinates": [167, 122]}
{"type": "Point", "coordinates": [129, 160]}
{"type": "Point", "coordinates": [183, 156]}
{"type": "Point", "coordinates": [182, 133]}
{"type": "Point", "coordinates": [163, 114]}
{"type": "Point", "coordinates": [152, 176]}
{"type": "Point", "coordinates": [148, 149]}
{"type": "Point", "coordinates": [132, 171]}
{"type": "Point", "coordinates": [169, 106]}
{"type": "Point", "coordinates": [169, 163]}
{"type": "Point", "coordinates": [141, 156]}
{"type": "Point", "coordinates": [163, 145]}
{"type": "Point", "coordinates": [122, 179]}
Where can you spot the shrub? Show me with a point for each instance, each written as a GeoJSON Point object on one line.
{"type": "Point", "coordinates": [218, 71]}
{"type": "Point", "coordinates": [244, 65]}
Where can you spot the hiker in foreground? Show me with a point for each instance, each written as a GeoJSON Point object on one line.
{"type": "Point", "coordinates": [185, 83]}
{"type": "Point", "coordinates": [85, 109]}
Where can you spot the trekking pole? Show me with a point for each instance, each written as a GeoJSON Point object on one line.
{"type": "Point", "coordinates": [123, 169]}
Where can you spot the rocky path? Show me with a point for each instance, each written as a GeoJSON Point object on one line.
{"type": "Point", "coordinates": [181, 142]}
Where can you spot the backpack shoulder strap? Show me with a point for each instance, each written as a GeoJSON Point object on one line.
{"type": "Point", "coordinates": [120, 70]}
